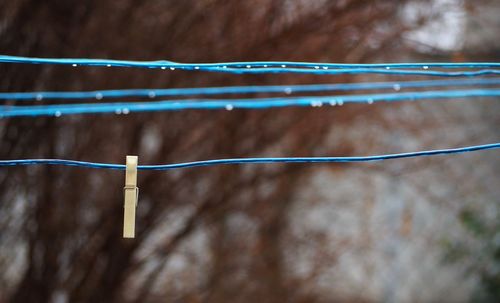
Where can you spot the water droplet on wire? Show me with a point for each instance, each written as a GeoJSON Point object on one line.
{"type": "Point", "coordinates": [57, 114]}
{"type": "Point", "coordinates": [229, 107]}
{"type": "Point", "coordinates": [288, 90]}
{"type": "Point", "coordinates": [98, 96]}
{"type": "Point", "coordinates": [396, 87]}
{"type": "Point", "coordinates": [39, 97]}
{"type": "Point", "coordinates": [125, 111]}
{"type": "Point", "coordinates": [151, 94]}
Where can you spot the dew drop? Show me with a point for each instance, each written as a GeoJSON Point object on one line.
{"type": "Point", "coordinates": [288, 90]}
{"type": "Point", "coordinates": [196, 67]}
{"type": "Point", "coordinates": [39, 97]}
{"type": "Point", "coordinates": [108, 65]}
{"type": "Point", "coordinates": [125, 111]}
{"type": "Point", "coordinates": [118, 111]}
{"type": "Point", "coordinates": [98, 96]}
{"type": "Point", "coordinates": [163, 67]}
{"type": "Point", "coordinates": [224, 66]}
{"type": "Point", "coordinates": [248, 66]}
{"type": "Point", "coordinates": [340, 102]}
{"type": "Point", "coordinates": [396, 87]}
{"type": "Point", "coordinates": [425, 67]}
{"type": "Point", "coordinates": [333, 102]}
{"type": "Point", "coordinates": [265, 65]}
{"type": "Point", "coordinates": [57, 114]}
{"type": "Point", "coordinates": [283, 65]}
{"type": "Point", "coordinates": [229, 107]}
{"type": "Point", "coordinates": [387, 67]}
{"type": "Point", "coordinates": [316, 67]}
{"type": "Point", "coordinates": [74, 65]}
{"type": "Point", "coordinates": [325, 67]}
{"type": "Point", "coordinates": [172, 68]}
{"type": "Point", "coordinates": [151, 94]}
{"type": "Point", "coordinates": [370, 101]}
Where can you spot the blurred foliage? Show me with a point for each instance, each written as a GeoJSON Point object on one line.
{"type": "Point", "coordinates": [481, 254]}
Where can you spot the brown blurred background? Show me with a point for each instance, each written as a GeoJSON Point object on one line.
{"type": "Point", "coordinates": [417, 230]}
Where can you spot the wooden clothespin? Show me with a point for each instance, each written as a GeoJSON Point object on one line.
{"type": "Point", "coordinates": [131, 192]}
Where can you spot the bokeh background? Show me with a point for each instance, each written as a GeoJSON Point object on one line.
{"type": "Point", "coordinates": [414, 230]}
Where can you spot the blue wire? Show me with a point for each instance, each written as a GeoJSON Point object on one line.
{"type": "Point", "coordinates": [357, 71]}
{"type": "Point", "coordinates": [103, 94]}
{"type": "Point", "coordinates": [253, 103]}
{"type": "Point", "coordinates": [278, 66]}
{"type": "Point", "coordinates": [160, 63]}
{"type": "Point", "coordinates": [252, 160]}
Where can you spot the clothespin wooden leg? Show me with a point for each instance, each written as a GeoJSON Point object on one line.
{"type": "Point", "coordinates": [131, 192]}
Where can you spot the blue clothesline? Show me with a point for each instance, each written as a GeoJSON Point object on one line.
{"type": "Point", "coordinates": [252, 160]}
{"type": "Point", "coordinates": [254, 67]}
{"type": "Point", "coordinates": [286, 89]}
{"type": "Point", "coordinates": [229, 104]}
